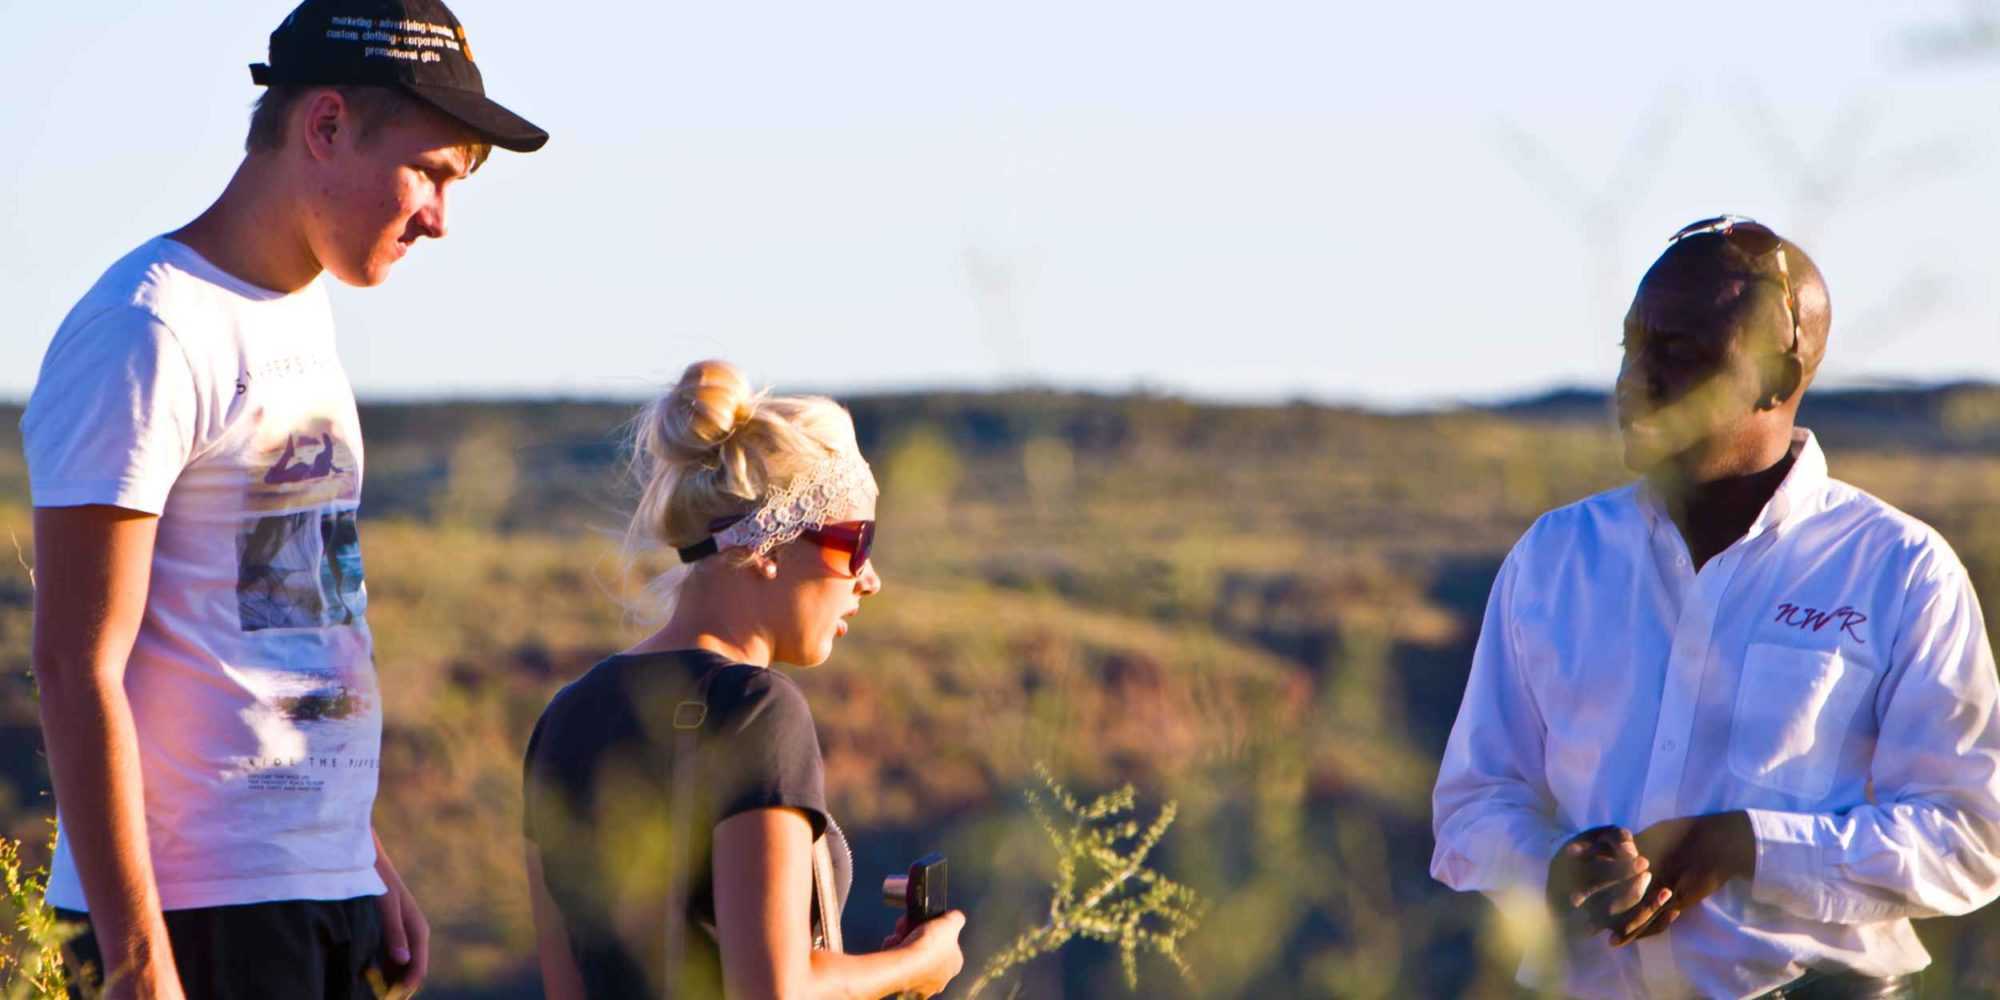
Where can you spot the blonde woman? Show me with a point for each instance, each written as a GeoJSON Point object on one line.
{"type": "Point", "coordinates": [679, 838]}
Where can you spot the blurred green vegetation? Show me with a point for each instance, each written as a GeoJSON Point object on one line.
{"type": "Point", "coordinates": [31, 939]}
{"type": "Point", "coordinates": [1264, 614]}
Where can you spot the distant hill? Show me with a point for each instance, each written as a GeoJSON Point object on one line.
{"type": "Point", "coordinates": [1956, 417]}
{"type": "Point", "coordinates": [581, 433]}
{"type": "Point", "coordinates": [564, 452]}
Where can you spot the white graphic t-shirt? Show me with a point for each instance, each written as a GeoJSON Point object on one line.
{"type": "Point", "coordinates": [175, 389]}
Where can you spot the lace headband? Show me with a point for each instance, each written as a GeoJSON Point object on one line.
{"type": "Point", "coordinates": [830, 488]}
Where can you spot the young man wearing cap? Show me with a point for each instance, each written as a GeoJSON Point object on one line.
{"type": "Point", "coordinates": [1781, 683]}
{"type": "Point", "coordinates": [208, 689]}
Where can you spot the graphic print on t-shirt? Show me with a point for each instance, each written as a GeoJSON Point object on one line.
{"type": "Point", "coordinates": [299, 581]}
{"type": "Point", "coordinates": [305, 468]}
{"type": "Point", "coordinates": [299, 566]}
{"type": "Point", "coordinates": [300, 570]}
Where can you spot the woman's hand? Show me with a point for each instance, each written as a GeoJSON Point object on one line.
{"type": "Point", "coordinates": [934, 943]}
{"type": "Point", "coordinates": [763, 880]}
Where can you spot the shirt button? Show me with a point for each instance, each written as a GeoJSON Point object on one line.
{"type": "Point", "coordinates": [1667, 746]}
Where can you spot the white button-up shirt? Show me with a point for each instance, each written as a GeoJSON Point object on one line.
{"type": "Point", "coordinates": [1829, 673]}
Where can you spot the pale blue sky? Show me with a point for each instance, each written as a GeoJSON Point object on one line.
{"type": "Point", "coordinates": [1245, 200]}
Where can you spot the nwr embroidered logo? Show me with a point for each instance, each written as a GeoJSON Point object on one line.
{"type": "Point", "coordinates": [1813, 619]}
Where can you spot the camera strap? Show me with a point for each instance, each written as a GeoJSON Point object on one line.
{"type": "Point", "coordinates": [825, 900]}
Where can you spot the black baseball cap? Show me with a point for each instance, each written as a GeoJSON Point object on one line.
{"type": "Point", "coordinates": [415, 46]}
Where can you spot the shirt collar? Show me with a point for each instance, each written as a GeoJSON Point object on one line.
{"type": "Point", "coordinates": [1808, 476]}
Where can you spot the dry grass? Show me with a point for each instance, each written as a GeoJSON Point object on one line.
{"type": "Point", "coordinates": [1262, 614]}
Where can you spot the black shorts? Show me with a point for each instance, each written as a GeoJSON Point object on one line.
{"type": "Point", "coordinates": [296, 948]}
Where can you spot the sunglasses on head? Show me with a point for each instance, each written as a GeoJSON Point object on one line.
{"type": "Point", "coordinates": [1757, 240]}
{"type": "Point", "coordinates": [855, 538]}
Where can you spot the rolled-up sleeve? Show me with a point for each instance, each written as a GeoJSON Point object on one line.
{"type": "Point", "coordinates": [1929, 842]}
{"type": "Point", "coordinates": [1492, 814]}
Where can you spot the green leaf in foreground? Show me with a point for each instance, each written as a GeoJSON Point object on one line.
{"type": "Point", "coordinates": [1103, 889]}
{"type": "Point", "coordinates": [31, 963]}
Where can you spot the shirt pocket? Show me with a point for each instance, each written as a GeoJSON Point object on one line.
{"type": "Point", "coordinates": [1793, 711]}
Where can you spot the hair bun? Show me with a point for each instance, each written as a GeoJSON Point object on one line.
{"type": "Point", "coordinates": [711, 447]}
{"type": "Point", "coordinates": [712, 400]}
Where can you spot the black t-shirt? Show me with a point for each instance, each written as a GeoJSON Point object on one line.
{"type": "Point", "coordinates": [599, 794]}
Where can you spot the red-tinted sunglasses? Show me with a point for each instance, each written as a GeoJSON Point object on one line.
{"type": "Point", "coordinates": [855, 538]}
{"type": "Point", "coordinates": [852, 537]}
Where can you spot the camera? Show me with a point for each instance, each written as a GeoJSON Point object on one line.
{"type": "Point", "coordinates": [921, 893]}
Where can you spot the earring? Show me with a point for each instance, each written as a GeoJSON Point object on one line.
{"type": "Point", "coordinates": [770, 571]}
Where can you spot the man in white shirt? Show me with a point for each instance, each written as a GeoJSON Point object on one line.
{"type": "Point", "coordinates": [207, 679]}
{"type": "Point", "coordinates": [1734, 722]}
